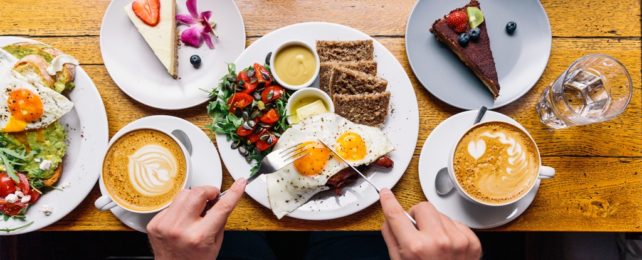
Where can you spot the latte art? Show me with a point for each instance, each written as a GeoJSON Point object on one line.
{"type": "Point", "coordinates": [144, 169]}
{"type": "Point", "coordinates": [152, 170]}
{"type": "Point", "coordinates": [517, 161]}
{"type": "Point", "coordinates": [496, 163]}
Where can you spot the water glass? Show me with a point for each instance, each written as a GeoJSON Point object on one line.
{"type": "Point", "coordinates": [595, 88]}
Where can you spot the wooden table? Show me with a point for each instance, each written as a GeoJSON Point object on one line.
{"type": "Point", "coordinates": [599, 182]}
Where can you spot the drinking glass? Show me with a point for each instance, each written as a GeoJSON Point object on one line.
{"type": "Point", "coordinates": [595, 88]}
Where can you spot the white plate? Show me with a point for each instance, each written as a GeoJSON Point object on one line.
{"type": "Point", "coordinates": [87, 135]}
{"type": "Point", "coordinates": [137, 72]}
{"type": "Point", "coordinates": [206, 165]}
{"type": "Point", "coordinates": [402, 126]}
{"type": "Point", "coordinates": [520, 59]}
{"type": "Point", "coordinates": [434, 156]}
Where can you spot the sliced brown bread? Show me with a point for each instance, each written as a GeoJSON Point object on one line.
{"type": "Point", "coordinates": [345, 50]}
{"type": "Point", "coordinates": [367, 109]}
{"type": "Point", "coordinates": [369, 67]}
{"type": "Point", "coordinates": [347, 81]}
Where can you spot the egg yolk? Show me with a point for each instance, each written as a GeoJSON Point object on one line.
{"type": "Point", "coordinates": [351, 146]}
{"type": "Point", "coordinates": [25, 105]}
{"type": "Point", "coordinates": [14, 125]}
{"type": "Point", "coordinates": [313, 163]}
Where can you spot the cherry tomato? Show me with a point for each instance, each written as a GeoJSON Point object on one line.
{"type": "Point", "coordinates": [262, 75]}
{"type": "Point", "coordinates": [34, 196]}
{"type": "Point", "coordinates": [239, 101]}
{"type": "Point", "coordinates": [7, 185]}
{"type": "Point", "coordinates": [248, 86]}
{"type": "Point", "coordinates": [242, 132]}
{"type": "Point", "coordinates": [270, 117]}
{"type": "Point", "coordinates": [11, 209]}
{"type": "Point", "coordinates": [255, 137]}
{"type": "Point", "coordinates": [276, 91]}
{"type": "Point", "coordinates": [24, 184]}
{"type": "Point", "coordinates": [264, 145]}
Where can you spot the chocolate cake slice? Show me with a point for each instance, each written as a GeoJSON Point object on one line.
{"type": "Point", "coordinates": [476, 54]}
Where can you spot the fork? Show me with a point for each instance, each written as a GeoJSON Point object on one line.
{"type": "Point", "coordinates": [276, 160]}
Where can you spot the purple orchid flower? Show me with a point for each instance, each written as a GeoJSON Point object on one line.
{"type": "Point", "coordinates": [200, 29]}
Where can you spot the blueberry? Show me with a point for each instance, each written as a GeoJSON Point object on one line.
{"type": "Point", "coordinates": [474, 33]}
{"type": "Point", "coordinates": [195, 60]}
{"type": "Point", "coordinates": [463, 39]}
{"type": "Point", "coordinates": [511, 27]}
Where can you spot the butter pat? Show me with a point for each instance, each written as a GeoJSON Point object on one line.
{"type": "Point", "coordinates": [314, 108]}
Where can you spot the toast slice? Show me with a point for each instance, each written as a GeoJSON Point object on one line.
{"type": "Point", "coordinates": [369, 67]}
{"type": "Point", "coordinates": [368, 109]}
{"type": "Point", "coordinates": [345, 50]}
{"type": "Point", "coordinates": [347, 81]}
{"type": "Point", "coordinates": [477, 55]}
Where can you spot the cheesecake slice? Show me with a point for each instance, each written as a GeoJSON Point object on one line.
{"type": "Point", "coordinates": [476, 55]}
{"type": "Point", "coordinates": [162, 37]}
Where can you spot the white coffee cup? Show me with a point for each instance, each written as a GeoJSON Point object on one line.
{"type": "Point", "coordinates": [106, 202]}
{"type": "Point", "coordinates": [545, 172]}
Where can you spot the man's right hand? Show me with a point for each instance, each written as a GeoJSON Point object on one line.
{"type": "Point", "coordinates": [435, 237]}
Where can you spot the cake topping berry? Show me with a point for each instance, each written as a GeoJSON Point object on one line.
{"type": "Point", "coordinates": [458, 21]}
{"type": "Point", "coordinates": [463, 39]}
{"type": "Point", "coordinates": [474, 34]}
{"type": "Point", "coordinates": [511, 27]}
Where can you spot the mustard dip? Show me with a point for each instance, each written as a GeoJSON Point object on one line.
{"type": "Point", "coordinates": [295, 64]}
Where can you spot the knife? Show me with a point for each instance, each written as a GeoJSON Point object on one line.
{"type": "Point", "coordinates": [363, 176]}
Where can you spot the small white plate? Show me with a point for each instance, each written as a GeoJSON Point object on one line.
{"type": "Point", "coordinates": [138, 73]}
{"type": "Point", "coordinates": [401, 127]}
{"type": "Point", "coordinates": [520, 58]}
{"type": "Point", "coordinates": [434, 156]}
{"type": "Point", "coordinates": [206, 165]}
{"type": "Point", "coordinates": [87, 135]}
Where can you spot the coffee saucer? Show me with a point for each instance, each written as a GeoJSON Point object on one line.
{"type": "Point", "coordinates": [206, 165]}
{"type": "Point", "coordinates": [434, 156]}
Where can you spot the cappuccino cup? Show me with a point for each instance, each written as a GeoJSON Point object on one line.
{"type": "Point", "coordinates": [143, 170]}
{"type": "Point", "coordinates": [496, 163]}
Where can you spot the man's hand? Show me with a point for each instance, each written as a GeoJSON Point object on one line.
{"type": "Point", "coordinates": [435, 237]}
{"type": "Point", "coordinates": [180, 232]}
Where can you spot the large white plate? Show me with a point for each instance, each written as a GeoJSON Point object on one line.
{"type": "Point", "coordinates": [520, 59]}
{"type": "Point", "coordinates": [138, 73]}
{"type": "Point", "coordinates": [87, 135]}
{"type": "Point", "coordinates": [205, 170]}
{"type": "Point", "coordinates": [402, 126]}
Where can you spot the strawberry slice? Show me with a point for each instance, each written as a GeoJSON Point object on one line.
{"type": "Point", "coordinates": [147, 10]}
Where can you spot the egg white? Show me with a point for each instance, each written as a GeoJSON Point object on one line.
{"type": "Point", "coordinates": [288, 190]}
{"type": "Point", "coordinates": [54, 104]}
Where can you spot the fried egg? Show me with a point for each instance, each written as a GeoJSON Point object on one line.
{"type": "Point", "coordinates": [25, 106]}
{"type": "Point", "coordinates": [295, 184]}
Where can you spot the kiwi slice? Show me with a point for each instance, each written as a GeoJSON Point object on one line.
{"type": "Point", "coordinates": [475, 16]}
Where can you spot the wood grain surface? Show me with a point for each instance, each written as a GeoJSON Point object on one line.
{"type": "Point", "coordinates": [599, 182]}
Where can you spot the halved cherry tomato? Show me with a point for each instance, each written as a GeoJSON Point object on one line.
{"type": "Point", "coordinates": [262, 75]}
{"type": "Point", "coordinates": [242, 132]}
{"type": "Point", "coordinates": [248, 85]}
{"type": "Point", "coordinates": [270, 117]}
{"type": "Point", "coordinates": [255, 137]}
{"type": "Point", "coordinates": [7, 185]}
{"type": "Point", "coordinates": [11, 209]}
{"type": "Point", "coordinates": [264, 145]}
{"type": "Point", "coordinates": [24, 184]}
{"type": "Point", "coordinates": [34, 196]}
{"type": "Point", "coordinates": [239, 101]}
{"type": "Point", "coordinates": [276, 91]}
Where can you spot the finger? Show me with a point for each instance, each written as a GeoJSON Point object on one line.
{"type": "Point", "coordinates": [399, 224]}
{"type": "Point", "coordinates": [217, 215]}
{"type": "Point", "coordinates": [474, 246]}
{"type": "Point", "coordinates": [428, 219]}
{"type": "Point", "coordinates": [391, 241]}
{"type": "Point", "coordinates": [153, 227]}
{"type": "Point", "coordinates": [458, 241]}
{"type": "Point", "coordinates": [198, 197]}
